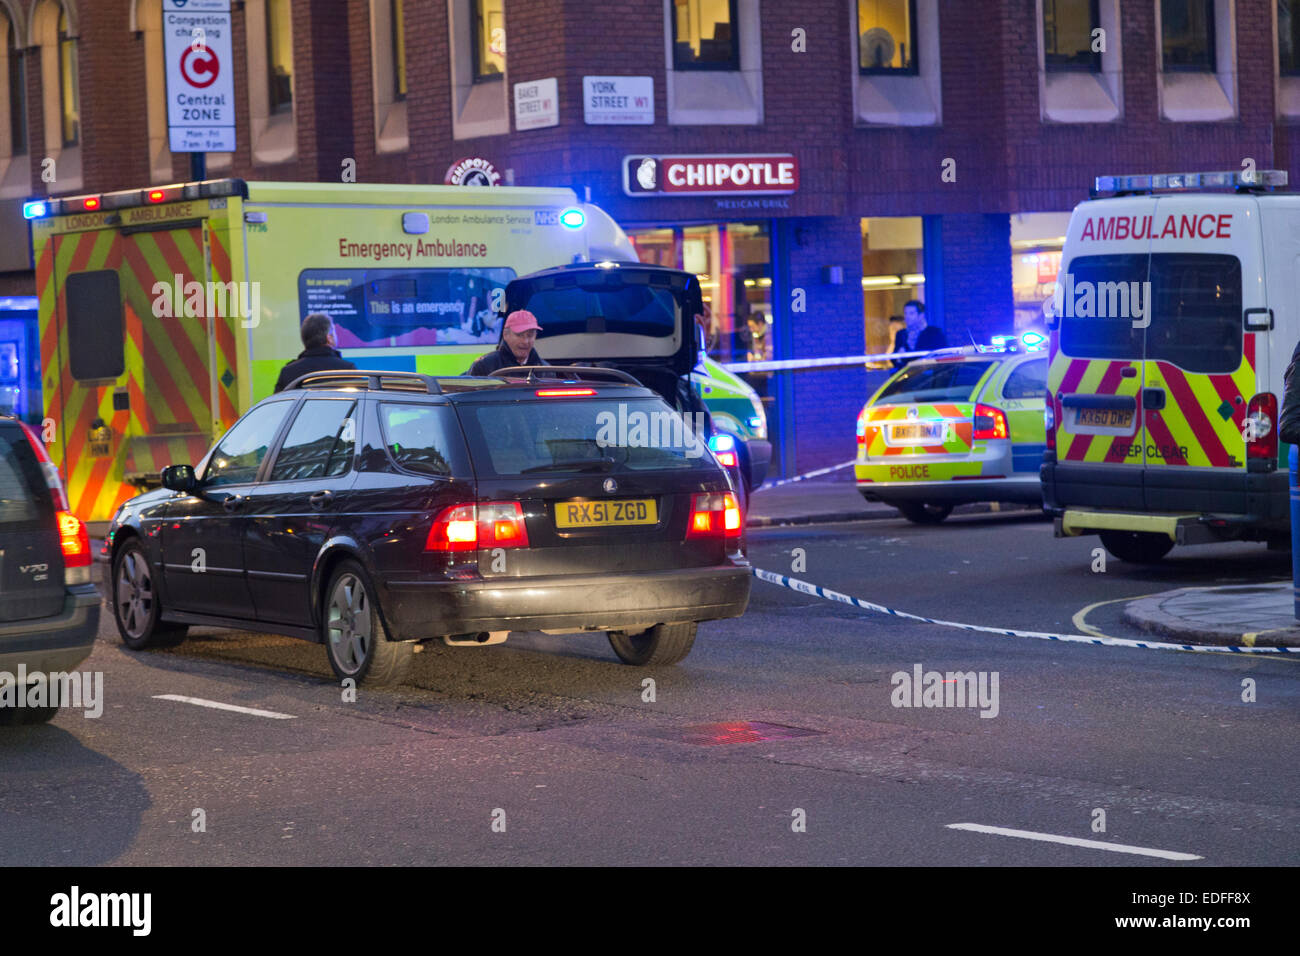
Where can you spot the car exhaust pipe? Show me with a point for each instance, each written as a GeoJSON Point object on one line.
{"type": "Point", "coordinates": [476, 638]}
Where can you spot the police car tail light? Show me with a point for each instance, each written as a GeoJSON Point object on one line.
{"type": "Point", "coordinates": [724, 449]}
{"type": "Point", "coordinates": [715, 515]}
{"type": "Point", "coordinates": [990, 422]}
{"type": "Point", "coordinates": [1261, 436]}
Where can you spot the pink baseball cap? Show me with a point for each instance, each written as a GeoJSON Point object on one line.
{"type": "Point", "coordinates": [521, 320]}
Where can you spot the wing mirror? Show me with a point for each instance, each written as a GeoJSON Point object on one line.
{"type": "Point", "coordinates": [180, 478]}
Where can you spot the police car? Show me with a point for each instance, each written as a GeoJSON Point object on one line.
{"type": "Point", "coordinates": [962, 425]}
{"type": "Point", "coordinates": [1170, 333]}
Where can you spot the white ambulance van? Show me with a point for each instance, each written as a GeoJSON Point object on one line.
{"type": "Point", "coordinates": [1174, 319]}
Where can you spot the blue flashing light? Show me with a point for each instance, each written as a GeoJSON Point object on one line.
{"type": "Point", "coordinates": [37, 209]}
{"type": "Point", "coordinates": [573, 218]}
{"type": "Point", "coordinates": [722, 442]}
{"type": "Point", "coordinates": [754, 421]}
{"type": "Point", "coordinates": [1033, 340]}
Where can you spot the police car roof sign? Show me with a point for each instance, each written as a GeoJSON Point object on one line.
{"type": "Point", "coordinates": [198, 53]}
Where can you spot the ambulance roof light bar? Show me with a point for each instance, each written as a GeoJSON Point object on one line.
{"type": "Point", "coordinates": [1243, 179]}
{"type": "Point", "coordinates": [126, 198]}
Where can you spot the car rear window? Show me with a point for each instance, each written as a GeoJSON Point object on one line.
{"type": "Point", "coordinates": [1194, 312]}
{"type": "Point", "coordinates": [24, 499]}
{"type": "Point", "coordinates": [559, 436]}
{"type": "Point", "coordinates": [936, 382]}
{"type": "Point", "coordinates": [631, 309]}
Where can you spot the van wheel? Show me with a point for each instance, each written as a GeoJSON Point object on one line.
{"type": "Point", "coordinates": [353, 632]}
{"type": "Point", "coordinates": [658, 645]}
{"type": "Point", "coordinates": [1138, 547]}
{"type": "Point", "coordinates": [136, 607]}
{"type": "Point", "coordinates": [923, 512]}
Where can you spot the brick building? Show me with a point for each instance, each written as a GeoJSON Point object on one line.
{"type": "Point", "coordinates": [939, 144]}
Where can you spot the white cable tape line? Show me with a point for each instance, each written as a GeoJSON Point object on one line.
{"type": "Point", "coordinates": [812, 474]}
{"type": "Point", "coordinates": [794, 584]}
{"type": "Point", "coordinates": [780, 365]}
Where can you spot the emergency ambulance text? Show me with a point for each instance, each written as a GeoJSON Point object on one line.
{"type": "Point", "coordinates": [378, 251]}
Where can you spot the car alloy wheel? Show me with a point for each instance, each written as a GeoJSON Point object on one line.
{"type": "Point", "coordinates": [348, 628]}
{"type": "Point", "coordinates": [135, 597]}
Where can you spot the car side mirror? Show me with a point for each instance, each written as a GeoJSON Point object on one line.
{"type": "Point", "coordinates": [180, 478]}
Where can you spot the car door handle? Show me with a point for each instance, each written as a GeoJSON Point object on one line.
{"type": "Point", "coordinates": [233, 502]}
{"type": "Point", "coordinates": [320, 499]}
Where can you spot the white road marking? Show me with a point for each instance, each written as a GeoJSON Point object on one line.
{"type": "Point", "coordinates": [1074, 841]}
{"type": "Point", "coordinates": [217, 705]}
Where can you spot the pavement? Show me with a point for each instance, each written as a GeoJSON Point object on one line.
{"type": "Point", "coordinates": [1238, 615]}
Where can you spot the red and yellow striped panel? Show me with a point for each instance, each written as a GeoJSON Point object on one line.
{"type": "Point", "coordinates": [958, 436]}
{"type": "Point", "coordinates": [1201, 423]}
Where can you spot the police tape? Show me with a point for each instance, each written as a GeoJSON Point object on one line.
{"type": "Point", "coordinates": [794, 584]}
{"type": "Point", "coordinates": [784, 365]}
{"type": "Point", "coordinates": [804, 477]}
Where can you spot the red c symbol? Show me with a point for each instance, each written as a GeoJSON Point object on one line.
{"type": "Point", "coordinates": [205, 63]}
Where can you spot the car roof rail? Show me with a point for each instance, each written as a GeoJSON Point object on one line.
{"type": "Point", "coordinates": [578, 372]}
{"type": "Point", "coordinates": [368, 379]}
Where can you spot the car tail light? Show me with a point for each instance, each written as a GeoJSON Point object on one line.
{"type": "Point", "coordinates": [714, 515]}
{"type": "Point", "coordinates": [495, 524]}
{"type": "Point", "coordinates": [559, 392]}
{"type": "Point", "coordinates": [1262, 410]}
{"type": "Point", "coordinates": [724, 449]}
{"type": "Point", "coordinates": [1049, 420]}
{"type": "Point", "coordinates": [990, 422]}
{"type": "Point", "coordinates": [75, 544]}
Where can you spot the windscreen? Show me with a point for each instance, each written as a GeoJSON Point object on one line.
{"type": "Point", "coordinates": [936, 382]}
{"type": "Point", "coordinates": [559, 436]}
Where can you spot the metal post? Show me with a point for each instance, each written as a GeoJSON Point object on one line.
{"type": "Point", "coordinates": [198, 167]}
{"type": "Point", "coordinates": [1294, 461]}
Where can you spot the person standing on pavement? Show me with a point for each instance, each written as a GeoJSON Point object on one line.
{"type": "Point", "coordinates": [916, 335]}
{"type": "Point", "coordinates": [319, 353]}
{"type": "Point", "coordinates": [516, 347]}
{"type": "Point", "coordinates": [1288, 422]}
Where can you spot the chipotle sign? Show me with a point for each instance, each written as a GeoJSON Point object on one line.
{"type": "Point", "coordinates": [712, 175]}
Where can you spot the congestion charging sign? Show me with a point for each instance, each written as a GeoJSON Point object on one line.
{"type": "Point", "coordinates": [200, 76]}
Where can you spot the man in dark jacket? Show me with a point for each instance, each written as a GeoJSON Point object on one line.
{"type": "Point", "coordinates": [516, 346]}
{"type": "Point", "coordinates": [1288, 424]}
{"type": "Point", "coordinates": [319, 352]}
{"type": "Point", "coordinates": [916, 335]}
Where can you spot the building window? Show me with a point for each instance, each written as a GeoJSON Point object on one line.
{"type": "Point", "coordinates": [705, 35]}
{"type": "Point", "coordinates": [69, 100]}
{"type": "Point", "coordinates": [887, 36]}
{"type": "Point", "coordinates": [1187, 35]}
{"type": "Point", "coordinates": [279, 57]}
{"type": "Point", "coordinates": [17, 93]}
{"type": "Point", "coordinates": [399, 52]}
{"type": "Point", "coordinates": [489, 47]}
{"type": "Point", "coordinates": [1068, 27]}
{"type": "Point", "coordinates": [1288, 37]}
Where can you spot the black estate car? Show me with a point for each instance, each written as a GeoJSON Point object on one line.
{"type": "Point", "coordinates": [49, 607]}
{"type": "Point", "coordinates": [371, 511]}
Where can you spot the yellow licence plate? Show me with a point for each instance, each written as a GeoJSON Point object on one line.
{"type": "Point", "coordinates": [600, 514]}
{"type": "Point", "coordinates": [1105, 417]}
{"type": "Point", "coordinates": [917, 432]}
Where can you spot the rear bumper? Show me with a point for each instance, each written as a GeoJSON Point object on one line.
{"type": "Point", "coordinates": [1237, 498]}
{"type": "Point", "coordinates": [418, 609]}
{"type": "Point", "coordinates": [1024, 490]}
{"type": "Point", "coordinates": [55, 643]}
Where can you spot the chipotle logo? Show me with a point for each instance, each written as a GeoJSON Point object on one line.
{"type": "Point", "coordinates": [710, 175]}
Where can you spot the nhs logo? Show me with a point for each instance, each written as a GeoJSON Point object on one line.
{"type": "Point", "coordinates": [546, 217]}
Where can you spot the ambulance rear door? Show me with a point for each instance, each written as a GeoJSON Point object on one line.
{"type": "Point", "coordinates": [1206, 278]}
{"type": "Point", "coordinates": [1096, 354]}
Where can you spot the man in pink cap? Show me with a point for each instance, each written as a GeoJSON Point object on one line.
{"type": "Point", "coordinates": [516, 346]}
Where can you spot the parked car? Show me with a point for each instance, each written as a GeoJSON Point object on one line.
{"type": "Point", "coordinates": [49, 607]}
{"type": "Point", "coordinates": [955, 428]}
{"type": "Point", "coordinates": [371, 511]}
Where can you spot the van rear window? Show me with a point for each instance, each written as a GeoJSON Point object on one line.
{"type": "Point", "coordinates": [1193, 309]}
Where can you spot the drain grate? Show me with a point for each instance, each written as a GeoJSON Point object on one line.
{"type": "Point", "coordinates": [740, 732]}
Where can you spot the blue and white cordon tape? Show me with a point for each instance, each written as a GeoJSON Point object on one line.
{"type": "Point", "coordinates": [812, 474]}
{"type": "Point", "coordinates": [794, 584]}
